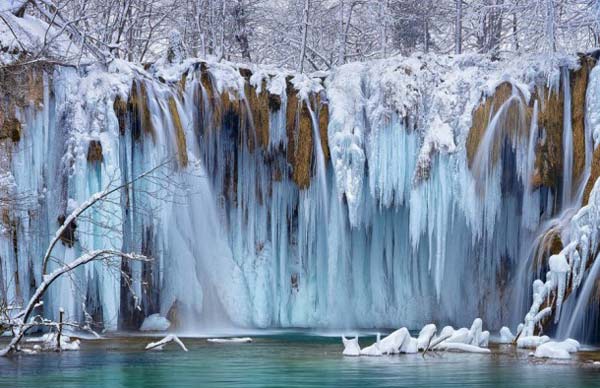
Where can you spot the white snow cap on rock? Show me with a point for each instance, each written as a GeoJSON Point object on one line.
{"type": "Point", "coordinates": [506, 336]}
{"type": "Point", "coordinates": [559, 350]}
{"type": "Point", "coordinates": [351, 346]}
{"type": "Point", "coordinates": [155, 322]}
{"type": "Point", "coordinates": [425, 336]}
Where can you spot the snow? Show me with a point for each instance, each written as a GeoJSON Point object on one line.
{"type": "Point", "coordinates": [234, 340]}
{"type": "Point", "coordinates": [426, 335]}
{"type": "Point", "coordinates": [49, 340]}
{"type": "Point", "coordinates": [373, 350]}
{"type": "Point", "coordinates": [395, 342]}
{"type": "Point", "coordinates": [532, 341]}
{"type": "Point", "coordinates": [351, 347]}
{"type": "Point", "coordinates": [31, 33]}
{"type": "Point", "coordinates": [506, 336]}
{"type": "Point", "coordinates": [159, 345]}
{"type": "Point", "coordinates": [558, 350]}
{"type": "Point", "coordinates": [462, 347]}
{"type": "Point", "coordinates": [400, 341]}
{"type": "Point", "coordinates": [155, 322]}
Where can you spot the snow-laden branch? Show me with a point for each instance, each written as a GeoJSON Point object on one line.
{"type": "Point", "coordinates": [22, 325]}
{"type": "Point", "coordinates": [160, 344]}
{"type": "Point", "coordinates": [86, 205]}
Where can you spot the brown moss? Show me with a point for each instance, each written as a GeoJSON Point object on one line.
{"type": "Point", "coordinates": [303, 149]}
{"type": "Point", "coordinates": [182, 84]}
{"type": "Point", "coordinates": [35, 87]}
{"type": "Point", "coordinates": [594, 175]}
{"type": "Point", "coordinates": [259, 107]}
{"type": "Point", "coordinates": [228, 113]}
{"type": "Point", "coordinates": [217, 115]}
{"type": "Point", "coordinates": [274, 102]}
{"type": "Point", "coordinates": [291, 115]}
{"type": "Point", "coordinates": [579, 81]}
{"type": "Point", "coordinates": [174, 315]}
{"type": "Point", "coordinates": [120, 108]}
{"type": "Point", "coordinates": [94, 153]}
{"type": "Point", "coordinates": [323, 123]}
{"type": "Point", "coordinates": [549, 162]}
{"type": "Point", "coordinates": [139, 111]}
{"type": "Point", "coordinates": [179, 133]}
{"type": "Point", "coordinates": [11, 129]}
{"type": "Point", "coordinates": [481, 117]}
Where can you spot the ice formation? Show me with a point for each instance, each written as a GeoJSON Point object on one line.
{"type": "Point", "coordinates": [155, 322]}
{"type": "Point", "coordinates": [404, 190]}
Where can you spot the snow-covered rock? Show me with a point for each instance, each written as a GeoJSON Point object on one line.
{"type": "Point", "coordinates": [425, 336]}
{"type": "Point", "coordinates": [351, 346]}
{"type": "Point", "coordinates": [506, 336]}
{"type": "Point", "coordinates": [560, 350]}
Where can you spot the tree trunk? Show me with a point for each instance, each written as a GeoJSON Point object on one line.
{"type": "Point", "coordinates": [304, 35]}
{"type": "Point", "coordinates": [458, 27]}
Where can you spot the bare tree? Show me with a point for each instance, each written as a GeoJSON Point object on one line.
{"type": "Point", "coordinates": [21, 322]}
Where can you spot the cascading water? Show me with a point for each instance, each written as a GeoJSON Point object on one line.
{"type": "Point", "coordinates": [567, 184]}
{"type": "Point", "coordinates": [385, 221]}
{"type": "Point", "coordinates": [582, 318]}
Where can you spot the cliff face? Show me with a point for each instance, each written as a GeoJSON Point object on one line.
{"type": "Point", "coordinates": [382, 194]}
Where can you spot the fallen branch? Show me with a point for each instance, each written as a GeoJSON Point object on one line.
{"type": "Point", "coordinates": [160, 344]}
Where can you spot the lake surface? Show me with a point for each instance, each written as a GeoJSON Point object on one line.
{"type": "Point", "coordinates": [286, 360]}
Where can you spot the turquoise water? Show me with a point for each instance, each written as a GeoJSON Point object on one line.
{"type": "Point", "coordinates": [290, 360]}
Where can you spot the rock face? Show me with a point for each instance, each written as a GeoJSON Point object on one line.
{"type": "Point", "coordinates": [409, 189]}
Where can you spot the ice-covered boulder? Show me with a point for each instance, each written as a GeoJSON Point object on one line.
{"type": "Point", "coordinates": [559, 350]}
{"type": "Point", "coordinates": [351, 346]}
{"type": "Point", "coordinates": [393, 342]}
{"type": "Point", "coordinates": [506, 336]}
{"type": "Point", "coordinates": [425, 336]}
